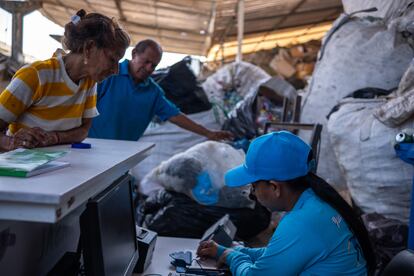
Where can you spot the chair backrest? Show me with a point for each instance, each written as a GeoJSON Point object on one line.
{"type": "Point", "coordinates": [402, 264]}
{"type": "Point", "coordinates": [293, 108]}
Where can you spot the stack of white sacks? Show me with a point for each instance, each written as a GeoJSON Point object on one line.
{"type": "Point", "coordinates": [356, 145]}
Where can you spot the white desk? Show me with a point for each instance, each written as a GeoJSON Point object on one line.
{"type": "Point", "coordinates": [42, 212]}
{"type": "Point", "coordinates": [49, 197]}
{"type": "Point", "coordinates": [164, 246]}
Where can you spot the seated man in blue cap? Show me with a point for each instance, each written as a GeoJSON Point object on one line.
{"type": "Point", "coordinates": [318, 235]}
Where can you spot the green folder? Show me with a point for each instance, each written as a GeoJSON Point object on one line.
{"type": "Point", "coordinates": [28, 162]}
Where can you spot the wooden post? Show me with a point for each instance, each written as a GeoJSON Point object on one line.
{"type": "Point", "coordinates": [18, 9]}
{"type": "Point", "coordinates": [240, 29]}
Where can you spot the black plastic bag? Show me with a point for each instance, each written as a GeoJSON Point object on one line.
{"type": "Point", "coordinates": [388, 236]}
{"type": "Point", "coordinates": [241, 121]}
{"type": "Point", "coordinates": [181, 87]}
{"type": "Point", "coordinates": [363, 93]}
{"type": "Point", "coordinates": [176, 215]}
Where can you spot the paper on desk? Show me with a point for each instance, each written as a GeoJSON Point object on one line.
{"type": "Point", "coordinates": [205, 264]}
{"type": "Point", "coordinates": [27, 159]}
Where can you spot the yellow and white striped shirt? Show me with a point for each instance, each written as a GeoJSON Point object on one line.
{"type": "Point", "coordinates": [42, 95]}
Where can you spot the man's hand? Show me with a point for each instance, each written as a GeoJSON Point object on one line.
{"type": "Point", "coordinates": [220, 135]}
{"type": "Point", "coordinates": [183, 121]}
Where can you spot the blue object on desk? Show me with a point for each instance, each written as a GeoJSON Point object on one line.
{"type": "Point", "coordinates": [405, 151]}
{"type": "Point", "coordinates": [81, 145]}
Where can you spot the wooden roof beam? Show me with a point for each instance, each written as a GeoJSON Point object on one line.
{"type": "Point", "coordinates": [121, 15]}
{"type": "Point", "coordinates": [172, 7]}
{"type": "Point", "coordinates": [210, 29]}
{"type": "Point", "coordinates": [250, 20]}
{"type": "Point", "coordinates": [153, 27]}
{"type": "Point", "coordinates": [18, 10]}
{"type": "Point", "coordinates": [283, 19]}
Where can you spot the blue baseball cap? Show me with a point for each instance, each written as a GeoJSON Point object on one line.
{"type": "Point", "coordinates": [279, 156]}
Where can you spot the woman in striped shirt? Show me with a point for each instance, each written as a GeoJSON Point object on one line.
{"type": "Point", "coordinates": [53, 101]}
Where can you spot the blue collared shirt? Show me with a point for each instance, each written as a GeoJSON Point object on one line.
{"type": "Point", "coordinates": [127, 108]}
{"type": "Point", "coordinates": [311, 239]}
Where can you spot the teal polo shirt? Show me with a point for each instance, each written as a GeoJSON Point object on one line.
{"type": "Point", "coordinates": [127, 108]}
{"type": "Point", "coordinates": [311, 239]}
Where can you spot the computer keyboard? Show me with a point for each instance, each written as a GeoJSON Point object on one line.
{"type": "Point", "coordinates": [191, 274]}
{"type": "Point", "coordinates": [200, 272]}
{"type": "Point", "coordinates": [182, 274]}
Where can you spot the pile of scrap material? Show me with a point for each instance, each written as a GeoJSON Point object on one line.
{"type": "Point", "coordinates": [193, 183]}
{"type": "Point", "coordinates": [293, 63]}
{"type": "Point", "coordinates": [183, 175]}
{"type": "Point", "coordinates": [241, 97]}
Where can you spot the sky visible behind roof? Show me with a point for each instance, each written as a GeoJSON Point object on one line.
{"type": "Point", "coordinates": [38, 44]}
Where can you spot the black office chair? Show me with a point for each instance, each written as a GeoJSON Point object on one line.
{"type": "Point", "coordinates": [292, 124]}
{"type": "Point", "coordinates": [402, 264]}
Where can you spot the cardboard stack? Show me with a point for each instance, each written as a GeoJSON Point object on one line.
{"type": "Point", "coordinates": [294, 63]}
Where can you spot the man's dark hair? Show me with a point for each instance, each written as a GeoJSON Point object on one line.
{"type": "Point", "coordinates": [144, 44]}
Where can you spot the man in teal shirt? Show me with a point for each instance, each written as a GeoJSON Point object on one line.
{"type": "Point", "coordinates": [128, 101]}
{"type": "Point", "coordinates": [318, 235]}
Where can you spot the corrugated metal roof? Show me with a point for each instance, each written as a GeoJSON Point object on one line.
{"type": "Point", "coordinates": [195, 26]}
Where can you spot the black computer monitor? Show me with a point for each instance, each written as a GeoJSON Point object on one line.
{"type": "Point", "coordinates": [108, 235]}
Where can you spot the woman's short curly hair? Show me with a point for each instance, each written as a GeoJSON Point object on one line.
{"type": "Point", "coordinates": [104, 31]}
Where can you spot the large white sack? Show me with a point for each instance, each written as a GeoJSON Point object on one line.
{"type": "Point", "coordinates": [169, 139]}
{"type": "Point", "coordinates": [361, 53]}
{"type": "Point", "coordinates": [199, 173]}
{"type": "Point", "coordinates": [377, 179]}
{"type": "Point", "coordinates": [242, 77]}
{"type": "Point", "coordinates": [387, 9]}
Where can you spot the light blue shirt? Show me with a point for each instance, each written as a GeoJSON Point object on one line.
{"type": "Point", "coordinates": [127, 108]}
{"type": "Point", "coordinates": [311, 239]}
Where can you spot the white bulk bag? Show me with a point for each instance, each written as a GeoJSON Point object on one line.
{"type": "Point", "coordinates": [377, 179]}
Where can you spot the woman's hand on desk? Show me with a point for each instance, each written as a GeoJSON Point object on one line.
{"type": "Point", "coordinates": [8, 143]}
{"type": "Point", "coordinates": [207, 249]}
{"type": "Point", "coordinates": [50, 138]}
{"type": "Point", "coordinates": [210, 249]}
{"type": "Point", "coordinates": [27, 138]}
